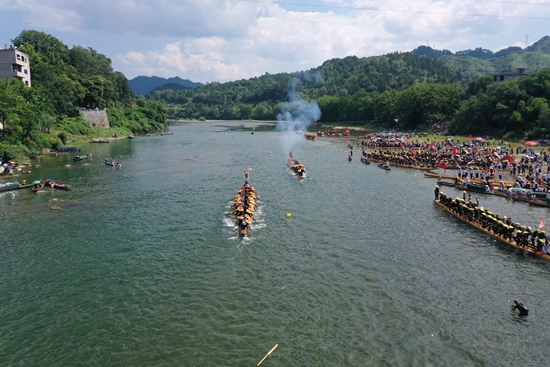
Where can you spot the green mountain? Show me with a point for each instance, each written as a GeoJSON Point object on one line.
{"type": "Point", "coordinates": [479, 62]}
{"type": "Point", "coordinates": [145, 84]}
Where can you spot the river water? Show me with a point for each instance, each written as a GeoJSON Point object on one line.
{"type": "Point", "coordinates": [141, 267]}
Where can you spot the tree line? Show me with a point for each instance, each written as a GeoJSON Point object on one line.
{"type": "Point", "coordinates": [397, 91]}
{"type": "Point", "coordinates": [64, 80]}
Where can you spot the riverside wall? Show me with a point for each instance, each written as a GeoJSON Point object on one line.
{"type": "Point", "coordinates": [96, 118]}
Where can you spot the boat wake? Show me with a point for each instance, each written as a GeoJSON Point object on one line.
{"type": "Point", "coordinates": [231, 227]}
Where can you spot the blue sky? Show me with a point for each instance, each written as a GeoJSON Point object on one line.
{"type": "Point", "coordinates": [224, 40]}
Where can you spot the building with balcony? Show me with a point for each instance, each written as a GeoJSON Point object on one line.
{"type": "Point", "coordinates": [15, 64]}
{"type": "Point", "coordinates": [509, 74]}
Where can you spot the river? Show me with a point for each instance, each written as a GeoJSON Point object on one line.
{"type": "Point", "coordinates": [141, 267]}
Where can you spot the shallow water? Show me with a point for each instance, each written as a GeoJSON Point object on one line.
{"type": "Point", "coordinates": [141, 267]}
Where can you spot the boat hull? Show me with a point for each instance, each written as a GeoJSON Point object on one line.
{"type": "Point", "coordinates": [509, 242]}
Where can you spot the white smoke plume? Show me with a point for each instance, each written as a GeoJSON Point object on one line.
{"type": "Point", "coordinates": [296, 115]}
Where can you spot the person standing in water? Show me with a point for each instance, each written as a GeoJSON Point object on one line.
{"type": "Point", "coordinates": [523, 311]}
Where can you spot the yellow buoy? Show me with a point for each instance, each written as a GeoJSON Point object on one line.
{"type": "Point", "coordinates": [288, 215]}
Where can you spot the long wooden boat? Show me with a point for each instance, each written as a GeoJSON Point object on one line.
{"type": "Point", "coordinates": [452, 177]}
{"type": "Point", "coordinates": [509, 242]}
{"type": "Point", "coordinates": [383, 166]}
{"type": "Point", "coordinates": [539, 203]}
{"type": "Point", "coordinates": [422, 168]}
{"type": "Point", "coordinates": [460, 186]}
{"type": "Point", "coordinates": [244, 206]}
{"type": "Point", "coordinates": [439, 175]}
{"type": "Point", "coordinates": [10, 186]}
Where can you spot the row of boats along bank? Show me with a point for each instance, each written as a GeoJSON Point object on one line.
{"type": "Point", "coordinates": [534, 242]}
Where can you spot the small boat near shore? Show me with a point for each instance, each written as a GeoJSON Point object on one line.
{"type": "Point", "coordinates": [365, 160]}
{"type": "Point", "coordinates": [57, 185]}
{"type": "Point", "coordinates": [112, 163]}
{"type": "Point", "coordinates": [384, 166]}
{"type": "Point", "coordinates": [38, 185]}
{"type": "Point", "coordinates": [82, 157]}
{"type": "Point", "coordinates": [99, 141]}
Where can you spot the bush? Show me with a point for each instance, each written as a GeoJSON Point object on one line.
{"type": "Point", "coordinates": [8, 151]}
{"type": "Point", "coordinates": [537, 133]}
{"type": "Point", "coordinates": [512, 135]}
{"type": "Point", "coordinates": [64, 137]}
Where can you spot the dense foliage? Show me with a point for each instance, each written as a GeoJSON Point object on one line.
{"type": "Point", "coordinates": [517, 108]}
{"type": "Point", "coordinates": [259, 98]}
{"type": "Point", "coordinates": [400, 90]}
{"type": "Point", "coordinates": [64, 81]}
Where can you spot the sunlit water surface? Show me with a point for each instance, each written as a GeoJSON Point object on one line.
{"type": "Point", "coordinates": [141, 266]}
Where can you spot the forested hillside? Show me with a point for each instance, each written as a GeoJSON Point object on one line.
{"type": "Point", "coordinates": [258, 98]}
{"type": "Point", "coordinates": [64, 81]}
{"type": "Point", "coordinates": [481, 62]}
{"type": "Point", "coordinates": [144, 84]}
{"type": "Point", "coordinates": [405, 91]}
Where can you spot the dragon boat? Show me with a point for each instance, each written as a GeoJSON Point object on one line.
{"type": "Point", "coordinates": [244, 206]}
{"type": "Point", "coordinates": [511, 242]}
{"type": "Point", "coordinates": [296, 168]}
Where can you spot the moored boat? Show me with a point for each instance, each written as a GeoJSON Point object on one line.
{"type": "Point", "coordinates": [82, 157]}
{"type": "Point", "coordinates": [57, 185]}
{"type": "Point", "coordinates": [512, 240]}
{"type": "Point", "coordinates": [15, 185]}
{"type": "Point", "coordinates": [111, 163]}
{"type": "Point", "coordinates": [384, 166]}
{"type": "Point", "coordinates": [99, 141]}
{"type": "Point", "coordinates": [38, 185]}
{"type": "Point", "coordinates": [365, 160]}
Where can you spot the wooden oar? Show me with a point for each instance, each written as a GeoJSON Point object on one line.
{"type": "Point", "coordinates": [268, 353]}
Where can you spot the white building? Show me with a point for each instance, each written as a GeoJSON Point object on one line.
{"type": "Point", "coordinates": [509, 74]}
{"type": "Point", "coordinates": [15, 64]}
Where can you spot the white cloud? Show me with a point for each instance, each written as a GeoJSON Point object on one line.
{"type": "Point", "coordinates": [221, 40]}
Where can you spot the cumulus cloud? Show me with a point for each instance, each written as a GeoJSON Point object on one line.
{"type": "Point", "coordinates": [221, 40]}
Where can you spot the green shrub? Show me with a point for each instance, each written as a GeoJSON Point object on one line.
{"type": "Point", "coordinates": [64, 137]}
